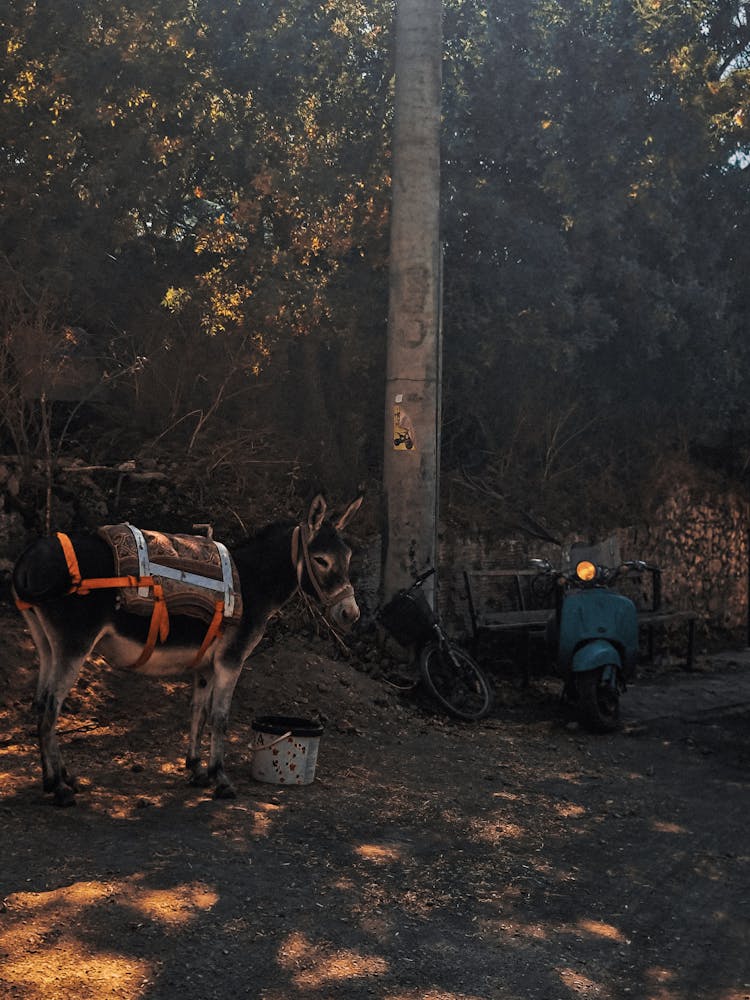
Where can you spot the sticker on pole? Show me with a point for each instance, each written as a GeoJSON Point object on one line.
{"type": "Point", "coordinates": [403, 429]}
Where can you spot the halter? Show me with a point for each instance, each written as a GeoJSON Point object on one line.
{"type": "Point", "coordinates": [301, 560]}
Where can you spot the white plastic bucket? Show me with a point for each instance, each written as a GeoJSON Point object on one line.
{"type": "Point", "coordinates": [285, 750]}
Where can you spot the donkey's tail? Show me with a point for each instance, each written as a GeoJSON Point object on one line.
{"type": "Point", "coordinates": [41, 572]}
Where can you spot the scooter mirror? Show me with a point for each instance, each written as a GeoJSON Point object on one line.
{"type": "Point", "coordinates": [541, 564]}
{"type": "Point", "coordinates": [636, 565]}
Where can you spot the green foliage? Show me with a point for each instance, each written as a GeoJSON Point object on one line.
{"type": "Point", "coordinates": [595, 237]}
{"type": "Point", "coordinates": [171, 171]}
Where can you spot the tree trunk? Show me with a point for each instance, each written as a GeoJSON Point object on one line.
{"type": "Point", "coordinates": [410, 473]}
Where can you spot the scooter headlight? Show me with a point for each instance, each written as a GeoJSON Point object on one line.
{"type": "Point", "coordinates": [586, 571]}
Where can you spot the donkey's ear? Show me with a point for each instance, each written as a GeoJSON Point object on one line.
{"type": "Point", "coordinates": [349, 513]}
{"type": "Point", "coordinates": [317, 513]}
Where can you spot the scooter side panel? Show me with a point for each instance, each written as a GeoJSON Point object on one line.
{"type": "Point", "coordinates": [598, 615]}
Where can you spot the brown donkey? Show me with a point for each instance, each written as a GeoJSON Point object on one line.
{"type": "Point", "coordinates": [68, 592]}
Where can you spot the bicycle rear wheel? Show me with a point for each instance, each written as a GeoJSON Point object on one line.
{"type": "Point", "coordinates": [455, 680]}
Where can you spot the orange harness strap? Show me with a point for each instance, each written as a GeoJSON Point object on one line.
{"type": "Point", "coordinates": [159, 625]}
{"type": "Point", "coordinates": [71, 559]}
{"type": "Point", "coordinates": [213, 630]}
{"type": "Point", "coordinates": [80, 586]}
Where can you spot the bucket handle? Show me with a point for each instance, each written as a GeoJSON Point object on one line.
{"type": "Point", "coordinates": [267, 746]}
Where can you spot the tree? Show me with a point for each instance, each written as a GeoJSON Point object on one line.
{"type": "Point", "coordinates": [410, 453]}
{"type": "Point", "coordinates": [204, 187]}
{"type": "Point", "coordinates": [594, 241]}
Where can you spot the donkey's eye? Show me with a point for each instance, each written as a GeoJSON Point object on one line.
{"type": "Point", "coordinates": [321, 561]}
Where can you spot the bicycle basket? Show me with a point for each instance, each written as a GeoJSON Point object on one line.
{"type": "Point", "coordinates": [408, 617]}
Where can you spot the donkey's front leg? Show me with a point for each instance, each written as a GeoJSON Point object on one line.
{"type": "Point", "coordinates": [224, 682]}
{"type": "Point", "coordinates": [202, 692]}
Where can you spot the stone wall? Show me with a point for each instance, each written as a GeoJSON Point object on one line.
{"type": "Point", "coordinates": [698, 538]}
{"type": "Point", "coordinates": [696, 533]}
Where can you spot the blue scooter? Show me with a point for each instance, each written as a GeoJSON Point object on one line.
{"type": "Point", "coordinates": [594, 633]}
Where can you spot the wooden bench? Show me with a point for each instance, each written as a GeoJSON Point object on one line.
{"type": "Point", "coordinates": [531, 622]}
{"type": "Point", "coordinates": [651, 620]}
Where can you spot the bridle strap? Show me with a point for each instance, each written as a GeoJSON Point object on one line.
{"type": "Point", "coordinates": [302, 561]}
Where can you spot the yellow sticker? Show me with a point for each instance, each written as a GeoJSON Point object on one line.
{"type": "Point", "coordinates": [403, 430]}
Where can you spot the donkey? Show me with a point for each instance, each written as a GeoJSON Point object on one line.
{"type": "Point", "coordinates": [278, 561]}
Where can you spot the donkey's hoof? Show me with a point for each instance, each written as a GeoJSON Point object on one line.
{"type": "Point", "coordinates": [199, 778]}
{"type": "Point", "coordinates": [225, 792]}
{"type": "Point", "coordinates": [64, 796]}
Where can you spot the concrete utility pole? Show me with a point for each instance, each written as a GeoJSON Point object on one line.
{"type": "Point", "coordinates": [412, 381]}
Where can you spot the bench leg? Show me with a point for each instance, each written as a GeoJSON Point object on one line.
{"type": "Point", "coordinates": [527, 662]}
{"type": "Point", "coordinates": [691, 645]}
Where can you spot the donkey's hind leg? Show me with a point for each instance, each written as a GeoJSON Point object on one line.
{"type": "Point", "coordinates": [224, 682]}
{"type": "Point", "coordinates": [59, 666]}
{"type": "Point", "coordinates": [49, 701]}
{"type": "Point", "coordinates": [202, 687]}
{"type": "Point", "coordinates": [45, 706]}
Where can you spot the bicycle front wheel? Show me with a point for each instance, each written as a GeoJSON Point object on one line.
{"type": "Point", "coordinates": [455, 680]}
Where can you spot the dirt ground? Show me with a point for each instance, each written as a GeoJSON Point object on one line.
{"type": "Point", "coordinates": [513, 859]}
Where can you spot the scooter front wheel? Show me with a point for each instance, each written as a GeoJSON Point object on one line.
{"type": "Point", "coordinates": [598, 701]}
{"type": "Point", "coordinates": [456, 681]}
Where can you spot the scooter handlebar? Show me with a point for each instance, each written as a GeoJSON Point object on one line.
{"type": "Point", "coordinates": [609, 573]}
{"type": "Point", "coordinates": [542, 565]}
{"type": "Point", "coordinates": [639, 566]}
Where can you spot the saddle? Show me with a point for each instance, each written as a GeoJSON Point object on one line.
{"type": "Point", "coordinates": [194, 572]}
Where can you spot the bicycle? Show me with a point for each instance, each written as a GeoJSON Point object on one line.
{"type": "Point", "coordinates": [450, 675]}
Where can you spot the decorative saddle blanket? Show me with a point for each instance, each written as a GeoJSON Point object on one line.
{"type": "Point", "coordinates": [194, 572]}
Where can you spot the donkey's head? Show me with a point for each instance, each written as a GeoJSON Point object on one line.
{"type": "Point", "coordinates": [323, 562]}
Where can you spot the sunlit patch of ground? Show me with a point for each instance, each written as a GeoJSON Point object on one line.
{"type": "Point", "coordinates": [657, 974]}
{"type": "Point", "coordinates": [581, 984]}
{"type": "Point", "coordinates": [569, 811]}
{"type": "Point", "coordinates": [506, 926]}
{"type": "Point", "coordinates": [18, 756]}
{"type": "Point", "coordinates": [431, 995]}
{"type": "Point", "coordinates": [597, 928]}
{"type": "Point", "coordinates": [11, 783]}
{"type": "Point", "coordinates": [173, 907]}
{"type": "Point", "coordinates": [508, 796]}
{"type": "Point", "coordinates": [63, 969]}
{"type": "Point", "coordinates": [313, 966]}
{"type": "Point", "coordinates": [379, 854]}
{"type": "Point", "coordinates": [49, 940]}
{"type": "Point", "coordinates": [242, 822]}
{"type": "Point", "coordinates": [659, 987]}
{"type": "Point", "coordinates": [663, 827]}
{"type": "Point", "coordinates": [496, 831]}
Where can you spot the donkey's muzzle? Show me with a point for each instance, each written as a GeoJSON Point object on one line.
{"type": "Point", "coordinates": [344, 613]}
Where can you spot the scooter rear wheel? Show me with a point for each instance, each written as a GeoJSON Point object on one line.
{"type": "Point", "coordinates": [598, 702]}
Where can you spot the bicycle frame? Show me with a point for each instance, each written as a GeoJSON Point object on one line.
{"type": "Point", "coordinates": [450, 675]}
